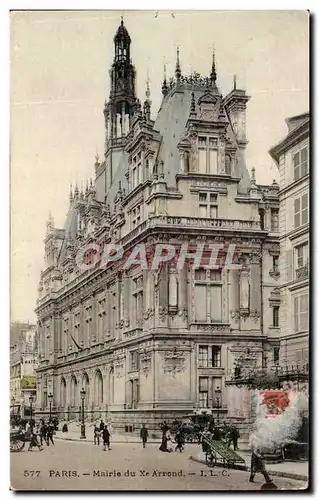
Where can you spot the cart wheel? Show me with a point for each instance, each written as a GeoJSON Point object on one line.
{"type": "Point", "coordinates": [17, 445]}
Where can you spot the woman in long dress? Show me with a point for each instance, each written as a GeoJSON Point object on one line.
{"type": "Point", "coordinates": [163, 446]}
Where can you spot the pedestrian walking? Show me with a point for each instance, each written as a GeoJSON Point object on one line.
{"type": "Point", "coordinates": [43, 432]}
{"type": "Point", "coordinates": [50, 430]}
{"type": "Point", "coordinates": [180, 441]}
{"type": "Point", "coordinates": [102, 425]}
{"type": "Point", "coordinates": [234, 433]}
{"type": "Point", "coordinates": [106, 438]}
{"type": "Point", "coordinates": [258, 465]}
{"type": "Point", "coordinates": [97, 435]}
{"type": "Point", "coordinates": [144, 435]}
{"type": "Point", "coordinates": [34, 439]}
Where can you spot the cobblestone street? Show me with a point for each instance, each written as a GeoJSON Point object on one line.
{"type": "Point", "coordinates": [83, 466]}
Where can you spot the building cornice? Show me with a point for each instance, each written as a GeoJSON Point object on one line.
{"type": "Point", "coordinates": [297, 135]}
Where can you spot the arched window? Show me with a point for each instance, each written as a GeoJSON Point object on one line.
{"type": "Point", "coordinates": [98, 388]}
{"type": "Point", "coordinates": [62, 392]}
{"type": "Point", "coordinates": [227, 165]}
{"type": "Point", "coordinates": [73, 391]}
{"type": "Point", "coordinates": [86, 387]}
{"type": "Point", "coordinates": [111, 386]}
{"type": "Point", "coordinates": [173, 291]}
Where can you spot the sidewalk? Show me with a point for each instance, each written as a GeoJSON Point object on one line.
{"type": "Point", "coordinates": [291, 470]}
{"type": "Point", "coordinates": [74, 435]}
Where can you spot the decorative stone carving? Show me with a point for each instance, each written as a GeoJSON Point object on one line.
{"type": "Point", "coordinates": [145, 362]}
{"type": "Point", "coordinates": [235, 314]}
{"type": "Point", "coordinates": [255, 257]}
{"type": "Point", "coordinates": [163, 312]}
{"type": "Point", "coordinates": [119, 368]}
{"type": "Point", "coordinates": [255, 315]}
{"type": "Point", "coordinates": [174, 362]}
{"type": "Point", "coordinates": [183, 314]}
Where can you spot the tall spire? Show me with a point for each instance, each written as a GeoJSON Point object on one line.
{"type": "Point", "coordinates": [213, 75]}
{"type": "Point", "coordinates": [147, 102]}
{"type": "Point", "coordinates": [193, 108]}
{"type": "Point", "coordinates": [164, 84]}
{"type": "Point", "coordinates": [178, 72]}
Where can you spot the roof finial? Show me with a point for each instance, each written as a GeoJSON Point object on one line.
{"type": "Point", "coordinates": [71, 194]}
{"type": "Point", "coordinates": [122, 22]}
{"type": "Point", "coordinates": [235, 82]}
{"type": "Point", "coordinates": [193, 109]}
{"type": "Point", "coordinates": [253, 177]}
{"type": "Point", "coordinates": [164, 84]}
{"type": "Point", "coordinates": [76, 191]}
{"type": "Point", "coordinates": [148, 92]}
{"type": "Point", "coordinates": [178, 66]}
{"type": "Point", "coordinates": [213, 75]}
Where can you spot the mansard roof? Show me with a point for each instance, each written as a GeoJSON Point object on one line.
{"type": "Point", "coordinates": [171, 123]}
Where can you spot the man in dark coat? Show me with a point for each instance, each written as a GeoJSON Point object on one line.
{"type": "Point", "coordinates": [234, 433]}
{"type": "Point", "coordinates": [258, 465]}
{"type": "Point", "coordinates": [102, 425]}
{"type": "Point", "coordinates": [50, 430]}
{"type": "Point", "coordinates": [144, 435]}
{"type": "Point", "coordinates": [106, 438]}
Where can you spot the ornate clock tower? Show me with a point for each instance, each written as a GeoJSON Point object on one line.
{"type": "Point", "coordinates": [119, 110]}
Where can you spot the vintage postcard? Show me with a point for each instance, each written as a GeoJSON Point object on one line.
{"type": "Point", "coordinates": [160, 250]}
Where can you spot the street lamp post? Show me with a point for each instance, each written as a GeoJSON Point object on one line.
{"type": "Point", "coordinates": [218, 396]}
{"type": "Point", "coordinates": [82, 394]}
{"type": "Point", "coordinates": [50, 398]}
{"type": "Point", "coordinates": [31, 401]}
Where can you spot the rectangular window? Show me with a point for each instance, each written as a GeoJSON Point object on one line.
{"type": "Point", "coordinates": [208, 205]}
{"type": "Point", "coordinates": [213, 162]}
{"type": "Point", "coordinates": [216, 303]}
{"type": "Point", "coordinates": [300, 162]}
{"type": "Point", "coordinates": [275, 264]}
{"type": "Point", "coordinates": [216, 356]}
{"type": "Point", "coordinates": [301, 256]}
{"type": "Point", "coordinates": [301, 312]}
{"type": "Point", "coordinates": [201, 303]}
{"type": "Point", "coordinates": [203, 392]}
{"type": "Point", "coordinates": [304, 209]}
{"type": "Point", "coordinates": [136, 216]}
{"type": "Point", "coordinates": [275, 316]}
{"type": "Point", "coordinates": [134, 361]}
{"type": "Point", "coordinates": [274, 220]}
{"type": "Point", "coordinates": [276, 355]}
{"type": "Point", "coordinates": [203, 356]}
{"type": "Point", "coordinates": [301, 210]}
{"type": "Point", "coordinates": [202, 160]}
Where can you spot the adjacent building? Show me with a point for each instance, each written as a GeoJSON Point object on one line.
{"type": "Point", "coordinates": [148, 343]}
{"type": "Point", "coordinates": [292, 158]}
{"type": "Point", "coordinates": [23, 363]}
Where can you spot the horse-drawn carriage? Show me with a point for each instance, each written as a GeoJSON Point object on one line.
{"type": "Point", "coordinates": [191, 427]}
{"type": "Point", "coordinates": [17, 440]}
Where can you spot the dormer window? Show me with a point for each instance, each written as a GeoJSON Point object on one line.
{"type": "Point", "coordinates": [208, 205]}
{"type": "Point", "coordinates": [136, 170]}
{"type": "Point", "coordinates": [136, 216]}
{"type": "Point", "coordinates": [207, 155]}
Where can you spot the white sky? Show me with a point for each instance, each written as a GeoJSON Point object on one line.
{"type": "Point", "coordinates": [59, 80]}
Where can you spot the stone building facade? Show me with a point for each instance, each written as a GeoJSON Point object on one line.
{"type": "Point", "coordinates": [23, 363]}
{"type": "Point", "coordinates": [292, 159]}
{"type": "Point", "coordinates": [148, 342]}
